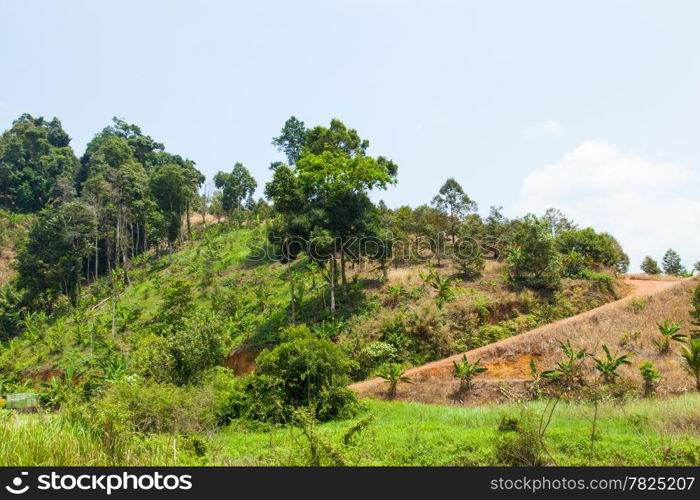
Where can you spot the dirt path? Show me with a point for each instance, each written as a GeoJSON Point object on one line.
{"type": "Point", "coordinates": [508, 370]}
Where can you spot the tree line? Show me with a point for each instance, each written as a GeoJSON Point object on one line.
{"type": "Point", "coordinates": [94, 214]}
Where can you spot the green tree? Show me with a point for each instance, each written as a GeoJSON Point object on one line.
{"type": "Point", "coordinates": [37, 164]}
{"type": "Point", "coordinates": [51, 262]}
{"type": "Point", "coordinates": [291, 140]}
{"type": "Point", "coordinates": [671, 263]}
{"type": "Point", "coordinates": [454, 203]}
{"type": "Point", "coordinates": [326, 191]}
{"type": "Point", "coordinates": [170, 188]}
{"type": "Point", "coordinates": [650, 266]}
{"type": "Point", "coordinates": [591, 248]}
{"type": "Point", "coordinates": [235, 187]}
{"type": "Point", "coordinates": [532, 258]}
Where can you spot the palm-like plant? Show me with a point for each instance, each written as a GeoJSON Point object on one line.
{"type": "Point", "coordinates": [608, 366]}
{"type": "Point", "coordinates": [691, 360]}
{"type": "Point", "coordinates": [537, 376]}
{"type": "Point", "coordinates": [393, 373]}
{"type": "Point", "coordinates": [650, 376]}
{"type": "Point", "coordinates": [669, 332]}
{"type": "Point", "coordinates": [466, 371]}
{"type": "Point", "coordinates": [569, 368]}
{"type": "Point", "coordinates": [445, 287]}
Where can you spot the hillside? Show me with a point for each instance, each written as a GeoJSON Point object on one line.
{"type": "Point", "coordinates": [215, 276]}
{"type": "Point", "coordinates": [628, 325]}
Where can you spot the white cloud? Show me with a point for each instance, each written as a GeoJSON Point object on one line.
{"type": "Point", "coordinates": [545, 128]}
{"type": "Point", "coordinates": [649, 206]}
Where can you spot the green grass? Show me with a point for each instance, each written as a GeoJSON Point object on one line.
{"type": "Point", "coordinates": [642, 432]}
{"type": "Point", "coordinates": [48, 440]}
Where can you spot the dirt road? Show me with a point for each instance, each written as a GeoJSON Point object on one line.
{"type": "Point", "coordinates": [514, 370]}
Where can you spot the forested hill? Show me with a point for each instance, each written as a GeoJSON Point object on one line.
{"type": "Point", "coordinates": [128, 269]}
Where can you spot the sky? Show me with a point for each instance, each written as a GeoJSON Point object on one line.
{"type": "Point", "coordinates": [589, 106]}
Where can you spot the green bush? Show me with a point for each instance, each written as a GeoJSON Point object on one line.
{"type": "Point", "coordinates": [302, 371]}
{"type": "Point", "coordinates": [532, 258]}
{"type": "Point", "coordinates": [152, 359]}
{"type": "Point", "coordinates": [197, 345]}
{"type": "Point", "coordinates": [519, 442]}
{"type": "Point", "coordinates": [134, 405]}
{"type": "Point", "coordinates": [590, 248]}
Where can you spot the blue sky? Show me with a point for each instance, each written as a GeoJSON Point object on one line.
{"type": "Point", "coordinates": [591, 106]}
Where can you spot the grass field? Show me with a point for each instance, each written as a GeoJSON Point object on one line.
{"type": "Point", "coordinates": [640, 432]}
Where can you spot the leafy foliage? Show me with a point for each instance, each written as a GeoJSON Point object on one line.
{"type": "Point", "coordinates": [393, 373]}
{"type": "Point", "coordinates": [466, 371]}
{"type": "Point", "coordinates": [609, 365]}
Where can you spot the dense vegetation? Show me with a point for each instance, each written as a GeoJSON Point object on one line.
{"type": "Point", "coordinates": [125, 306]}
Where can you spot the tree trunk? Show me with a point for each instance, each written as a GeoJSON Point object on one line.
{"type": "Point", "coordinates": [189, 226]}
{"type": "Point", "coordinates": [343, 277]}
{"type": "Point", "coordinates": [332, 284]}
{"type": "Point", "coordinates": [97, 257]}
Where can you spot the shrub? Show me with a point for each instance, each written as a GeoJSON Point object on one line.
{"type": "Point", "coordinates": [375, 354]}
{"type": "Point", "coordinates": [152, 359]}
{"type": "Point", "coordinates": [650, 376]}
{"type": "Point", "coordinates": [637, 304]}
{"type": "Point", "coordinates": [469, 258]}
{"type": "Point", "coordinates": [520, 443]}
{"type": "Point", "coordinates": [695, 311]}
{"type": "Point", "coordinates": [196, 345]}
{"type": "Point", "coordinates": [302, 371]}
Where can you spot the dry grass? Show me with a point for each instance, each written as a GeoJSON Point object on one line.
{"type": "Point", "coordinates": [625, 326]}
{"type": "Point", "coordinates": [652, 277]}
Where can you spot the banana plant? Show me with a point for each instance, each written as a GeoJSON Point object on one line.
{"type": "Point", "coordinates": [569, 368]}
{"type": "Point", "coordinates": [466, 371]}
{"type": "Point", "coordinates": [691, 361]}
{"type": "Point", "coordinates": [393, 374]}
{"type": "Point", "coordinates": [609, 365]}
{"type": "Point", "coordinates": [669, 332]}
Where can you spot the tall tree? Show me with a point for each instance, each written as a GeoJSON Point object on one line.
{"type": "Point", "coordinates": [51, 261]}
{"type": "Point", "coordinates": [171, 189]}
{"type": "Point", "coordinates": [235, 187]}
{"type": "Point", "coordinates": [672, 263]}
{"type": "Point", "coordinates": [325, 191]}
{"type": "Point", "coordinates": [453, 202]}
{"type": "Point", "coordinates": [291, 140]}
{"type": "Point", "coordinates": [36, 164]}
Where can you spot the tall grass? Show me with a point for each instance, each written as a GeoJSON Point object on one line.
{"type": "Point", "coordinates": [51, 440]}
